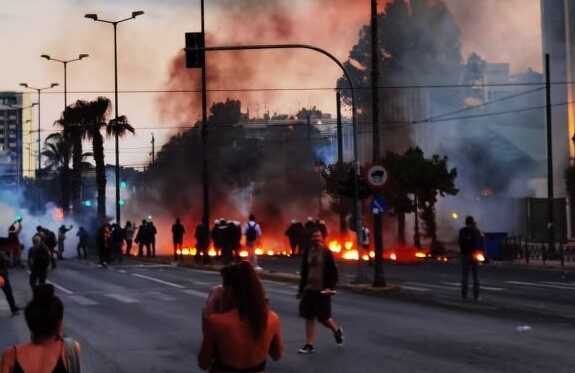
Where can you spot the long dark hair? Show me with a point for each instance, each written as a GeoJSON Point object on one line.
{"type": "Point", "coordinates": [44, 312]}
{"type": "Point", "coordinates": [248, 296]}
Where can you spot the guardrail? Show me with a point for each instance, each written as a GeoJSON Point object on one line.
{"type": "Point", "coordinates": [520, 248]}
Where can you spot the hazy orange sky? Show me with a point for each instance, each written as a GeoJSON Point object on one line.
{"type": "Point", "coordinates": [500, 31]}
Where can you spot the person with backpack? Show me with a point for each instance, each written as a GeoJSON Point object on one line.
{"type": "Point", "coordinates": [253, 232]}
{"type": "Point", "coordinates": [469, 241]}
{"type": "Point", "coordinates": [38, 262]}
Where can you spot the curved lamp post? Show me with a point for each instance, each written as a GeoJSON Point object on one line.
{"type": "Point", "coordinates": [65, 63]}
{"type": "Point", "coordinates": [39, 90]}
{"type": "Point", "coordinates": [115, 24]}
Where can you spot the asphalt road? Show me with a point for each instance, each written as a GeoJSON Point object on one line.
{"type": "Point", "coordinates": [145, 317]}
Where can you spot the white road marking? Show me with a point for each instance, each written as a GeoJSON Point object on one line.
{"type": "Point", "coordinates": [197, 293]}
{"type": "Point", "coordinates": [159, 281]}
{"type": "Point", "coordinates": [483, 287]}
{"type": "Point", "coordinates": [414, 288]}
{"type": "Point", "coordinates": [69, 292]}
{"type": "Point", "coordinates": [161, 296]}
{"type": "Point", "coordinates": [82, 300]}
{"type": "Point", "coordinates": [540, 285]}
{"type": "Point", "coordinates": [121, 298]}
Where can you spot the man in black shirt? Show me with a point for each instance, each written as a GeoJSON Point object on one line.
{"type": "Point", "coordinates": [469, 238]}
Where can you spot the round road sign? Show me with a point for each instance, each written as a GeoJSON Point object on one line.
{"type": "Point", "coordinates": [376, 175]}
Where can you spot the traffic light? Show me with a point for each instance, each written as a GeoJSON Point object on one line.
{"type": "Point", "coordinates": [195, 58]}
{"type": "Point", "coordinates": [87, 203]}
{"type": "Point", "coordinates": [123, 184]}
{"type": "Point", "coordinates": [121, 202]}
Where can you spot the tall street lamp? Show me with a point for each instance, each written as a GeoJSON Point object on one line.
{"type": "Point", "coordinates": [39, 90]}
{"type": "Point", "coordinates": [115, 24]}
{"type": "Point", "coordinates": [65, 63]}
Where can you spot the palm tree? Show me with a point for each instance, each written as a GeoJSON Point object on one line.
{"type": "Point", "coordinates": [57, 152]}
{"type": "Point", "coordinates": [95, 113]}
{"type": "Point", "coordinates": [71, 122]}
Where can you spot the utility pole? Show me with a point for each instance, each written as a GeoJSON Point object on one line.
{"type": "Point", "coordinates": [153, 149]}
{"type": "Point", "coordinates": [378, 278]}
{"type": "Point", "coordinates": [550, 217]}
{"type": "Point", "coordinates": [342, 223]}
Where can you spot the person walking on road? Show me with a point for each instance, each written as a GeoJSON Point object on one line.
{"type": "Point", "coordinates": [253, 232]}
{"type": "Point", "coordinates": [5, 283]}
{"type": "Point", "coordinates": [469, 242]}
{"type": "Point", "coordinates": [240, 339]}
{"type": "Point", "coordinates": [178, 238]}
{"type": "Point", "coordinates": [48, 351]}
{"type": "Point", "coordinates": [318, 279]}
{"type": "Point", "coordinates": [38, 262]}
{"type": "Point", "coordinates": [82, 248]}
{"type": "Point", "coordinates": [295, 233]}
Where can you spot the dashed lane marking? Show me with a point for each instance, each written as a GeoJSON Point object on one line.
{"type": "Point", "coordinates": [159, 281]}
{"type": "Point", "coordinates": [82, 300]}
{"type": "Point", "coordinates": [540, 285]}
{"type": "Point", "coordinates": [121, 298]}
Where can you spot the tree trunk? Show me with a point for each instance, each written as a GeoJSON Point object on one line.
{"type": "Point", "coordinates": [98, 149]}
{"type": "Point", "coordinates": [416, 239]}
{"type": "Point", "coordinates": [401, 228]}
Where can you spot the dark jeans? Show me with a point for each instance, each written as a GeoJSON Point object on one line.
{"type": "Point", "coordinates": [128, 247]}
{"type": "Point", "coordinates": [38, 276]}
{"type": "Point", "coordinates": [468, 263]}
{"type": "Point", "coordinates": [7, 289]}
{"type": "Point", "coordinates": [141, 249]}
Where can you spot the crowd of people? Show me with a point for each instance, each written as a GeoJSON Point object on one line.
{"type": "Point", "coordinates": [234, 310]}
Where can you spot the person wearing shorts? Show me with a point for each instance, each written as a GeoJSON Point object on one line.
{"type": "Point", "coordinates": [318, 279]}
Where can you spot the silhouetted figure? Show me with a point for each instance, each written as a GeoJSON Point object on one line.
{"type": "Point", "coordinates": [82, 247]}
{"type": "Point", "coordinates": [228, 243]}
{"type": "Point", "coordinates": [295, 233]}
{"type": "Point", "coordinates": [152, 231]}
{"type": "Point", "coordinates": [143, 239]}
{"type": "Point", "coordinates": [202, 236]}
{"type": "Point", "coordinates": [469, 240]}
{"type": "Point", "coordinates": [236, 238]}
{"type": "Point", "coordinates": [49, 239]}
{"type": "Point", "coordinates": [38, 261]}
{"type": "Point", "coordinates": [116, 240]}
{"type": "Point", "coordinates": [61, 238]}
{"type": "Point", "coordinates": [178, 238]}
{"type": "Point", "coordinates": [7, 288]}
{"type": "Point", "coordinates": [216, 234]}
{"type": "Point", "coordinates": [13, 246]}
{"type": "Point", "coordinates": [129, 236]}
{"type": "Point", "coordinates": [103, 242]}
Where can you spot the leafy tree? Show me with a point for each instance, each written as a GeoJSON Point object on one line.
{"type": "Point", "coordinates": [441, 182]}
{"type": "Point", "coordinates": [418, 45]}
{"type": "Point", "coordinates": [414, 185]}
{"type": "Point", "coordinates": [334, 175]}
{"type": "Point", "coordinates": [225, 113]}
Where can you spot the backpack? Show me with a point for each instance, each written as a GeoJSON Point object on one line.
{"type": "Point", "coordinates": [40, 257]}
{"type": "Point", "coordinates": [251, 232]}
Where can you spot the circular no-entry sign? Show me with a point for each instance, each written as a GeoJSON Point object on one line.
{"type": "Point", "coordinates": [376, 175]}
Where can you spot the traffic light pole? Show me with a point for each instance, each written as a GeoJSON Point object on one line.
{"type": "Point", "coordinates": [357, 205]}
{"type": "Point", "coordinates": [378, 278]}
